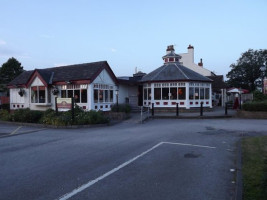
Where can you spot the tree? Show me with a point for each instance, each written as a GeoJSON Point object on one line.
{"type": "Point", "coordinates": [246, 72]}
{"type": "Point", "coordinates": [9, 70]}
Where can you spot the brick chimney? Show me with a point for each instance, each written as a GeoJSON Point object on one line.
{"type": "Point", "coordinates": [169, 49]}
{"type": "Point", "coordinates": [200, 64]}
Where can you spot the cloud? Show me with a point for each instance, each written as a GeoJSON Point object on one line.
{"type": "Point", "coordinates": [2, 42]}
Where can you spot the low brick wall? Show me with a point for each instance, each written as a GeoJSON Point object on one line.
{"type": "Point", "coordinates": [116, 115]}
{"type": "Point", "coordinates": [251, 115]}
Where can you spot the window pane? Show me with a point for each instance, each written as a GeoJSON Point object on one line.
{"type": "Point", "coordinates": [111, 95]}
{"type": "Point", "coordinates": [70, 93]}
{"type": "Point", "coordinates": [49, 95]}
{"type": "Point", "coordinates": [201, 93]}
{"type": "Point", "coordinates": [149, 93]}
{"type": "Point", "coordinates": [84, 96]}
{"type": "Point", "coordinates": [191, 93]}
{"type": "Point", "coordinates": [165, 93]}
{"type": "Point", "coordinates": [34, 94]}
{"type": "Point", "coordinates": [207, 93]}
{"type": "Point", "coordinates": [181, 93]}
{"type": "Point", "coordinates": [157, 93]}
{"type": "Point", "coordinates": [145, 93]}
{"type": "Point", "coordinates": [96, 96]}
{"type": "Point", "coordinates": [63, 93]}
{"type": "Point", "coordinates": [42, 94]}
{"type": "Point", "coordinates": [106, 96]}
{"type": "Point", "coordinates": [77, 96]}
{"type": "Point", "coordinates": [196, 93]}
{"type": "Point", "coordinates": [101, 95]}
{"type": "Point", "coordinates": [173, 93]}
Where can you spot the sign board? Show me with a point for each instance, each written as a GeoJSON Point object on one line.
{"type": "Point", "coordinates": [64, 103]}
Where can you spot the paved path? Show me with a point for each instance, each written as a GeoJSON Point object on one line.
{"type": "Point", "coordinates": [160, 159]}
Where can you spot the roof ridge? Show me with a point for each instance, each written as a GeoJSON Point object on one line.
{"type": "Point", "coordinates": [181, 71]}
{"type": "Point", "coordinates": [159, 72]}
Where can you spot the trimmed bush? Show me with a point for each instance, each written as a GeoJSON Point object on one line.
{"type": "Point", "coordinates": [81, 117]}
{"type": "Point", "coordinates": [255, 106]}
{"type": "Point", "coordinates": [258, 96]}
{"type": "Point", "coordinates": [27, 115]}
{"type": "Point", "coordinates": [4, 115]}
{"type": "Point", "coordinates": [50, 117]}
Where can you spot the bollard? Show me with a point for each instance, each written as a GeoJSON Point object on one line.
{"type": "Point", "coordinates": [141, 114]}
{"type": "Point", "coordinates": [152, 112]}
{"type": "Point", "coordinates": [177, 109]}
{"type": "Point", "coordinates": [226, 107]}
{"type": "Point", "coordinates": [201, 109]}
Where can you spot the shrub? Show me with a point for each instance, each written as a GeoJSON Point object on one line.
{"type": "Point", "coordinates": [259, 96]}
{"type": "Point", "coordinates": [255, 106]}
{"type": "Point", "coordinates": [27, 115]}
{"type": "Point", "coordinates": [121, 108]}
{"type": "Point", "coordinates": [80, 117]}
{"type": "Point", "coordinates": [4, 115]}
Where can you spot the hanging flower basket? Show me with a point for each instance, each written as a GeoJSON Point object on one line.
{"type": "Point", "coordinates": [55, 91]}
{"type": "Point", "coordinates": [21, 92]}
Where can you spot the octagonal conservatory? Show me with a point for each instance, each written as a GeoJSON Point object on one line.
{"type": "Point", "coordinates": [174, 83]}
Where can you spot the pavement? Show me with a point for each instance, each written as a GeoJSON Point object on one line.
{"type": "Point", "coordinates": [215, 113]}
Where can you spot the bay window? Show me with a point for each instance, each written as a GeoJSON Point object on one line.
{"type": "Point", "coordinates": [79, 92]}
{"type": "Point", "coordinates": [38, 94]}
{"type": "Point", "coordinates": [103, 93]}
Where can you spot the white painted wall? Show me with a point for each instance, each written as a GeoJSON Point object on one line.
{"type": "Point", "coordinates": [102, 78]}
{"type": "Point", "coordinates": [187, 60]}
{"type": "Point", "coordinates": [18, 102]}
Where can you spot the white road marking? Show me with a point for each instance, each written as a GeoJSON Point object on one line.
{"type": "Point", "coordinates": [193, 145]}
{"type": "Point", "coordinates": [14, 132]}
{"type": "Point", "coordinates": [92, 182]}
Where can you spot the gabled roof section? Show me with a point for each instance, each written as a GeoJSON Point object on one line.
{"type": "Point", "coordinates": [22, 79]}
{"type": "Point", "coordinates": [86, 72]}
{"type": "Point", "coordinates": [174, 72]}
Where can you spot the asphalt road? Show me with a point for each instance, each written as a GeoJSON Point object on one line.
{"type": "Point", "coordinates": [161, 159]}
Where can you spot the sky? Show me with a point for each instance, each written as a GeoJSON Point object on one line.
{"type": "Point", "coordinates": [129, 34]}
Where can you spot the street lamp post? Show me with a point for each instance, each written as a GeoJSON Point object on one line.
{"type": "Point", "coordinates": [262, 69]}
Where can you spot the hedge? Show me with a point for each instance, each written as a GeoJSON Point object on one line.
{"type": "Point", "coordinates": [50, 117]}
{"type": "Point", "coordinates": [255, 106]}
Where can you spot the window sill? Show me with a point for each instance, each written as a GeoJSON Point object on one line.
{"type": "Point", "coordinates": [41, 104]}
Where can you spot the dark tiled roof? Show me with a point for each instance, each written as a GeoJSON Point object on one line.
{"type": "Point", "coordinates": [174, 72]}
{"type": "Point", "coordinates": [172, 54]}
{"type": "Point", "coordinates": [217, 83]}
{"type": "Point", "coordinates": [22, 78]}
{"type": "Point", "coordinates": [86, 71]}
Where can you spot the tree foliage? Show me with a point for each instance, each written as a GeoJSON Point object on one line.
{"type": "Point", "coordinates": [246, 72]}
{"type": "Point", "coordinates": [9, 70]}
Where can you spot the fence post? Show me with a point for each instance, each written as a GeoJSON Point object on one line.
{"type": "Point", "coordinates": [226, 107]}
{"type": "Point", "coordinates": [152, 110]}
{"type": "Point", "coordinates": [177, 109]}
{"type": "Point", "coordinates": [201, 109]}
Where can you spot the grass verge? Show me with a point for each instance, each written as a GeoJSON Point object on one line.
{"type": "Point", "coordinates": [254, 168]}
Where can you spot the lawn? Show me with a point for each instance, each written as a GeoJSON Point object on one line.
{"type": "Point", "coordinates": [254, 168]}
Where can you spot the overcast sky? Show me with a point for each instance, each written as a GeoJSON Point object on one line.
{"type": "Point", "coordinates": [129, 34]}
